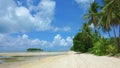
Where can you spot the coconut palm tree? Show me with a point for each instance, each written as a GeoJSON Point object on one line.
{"type": "Point", "coordinates": [110, 15]}
{"type": "Point", "coordinates": [105, 26]}
{"type": "Point", "coordinates": [91, 16]}
{"type": "Point", "coordinates": [116, 10]}
{"type": "Point", "coordinates": [86, 35]}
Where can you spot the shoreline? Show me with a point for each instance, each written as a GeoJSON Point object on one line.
{"type": "Point", "coordinates": [70, 60]}
{"type": "Point", "coordinates": [13, 58]}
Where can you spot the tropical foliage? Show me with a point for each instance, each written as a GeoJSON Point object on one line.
{"type": "Point", "coordinates": [83, 40]}
{"type": "Point", "coordinates": [105, 18]}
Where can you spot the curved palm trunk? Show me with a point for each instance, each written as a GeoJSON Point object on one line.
{"type": "Point", "coordinates": [117, 43]}
{"type": "Point", "coordinates": [94, 24]}
{"type": "Point", "coordinates": [96, 28]}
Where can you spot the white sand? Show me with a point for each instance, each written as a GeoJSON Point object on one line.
{"type": "Point", "coordinates": [73, 60]}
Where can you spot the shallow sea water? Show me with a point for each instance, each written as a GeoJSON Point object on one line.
{"type": "Point", "coordinates": [11, 57]}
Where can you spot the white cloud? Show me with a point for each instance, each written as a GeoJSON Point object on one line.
{"type": "Point", "coordinates": [58, 40]}
{"type": "Point", "coordinates": [25, 41]}
{"type": "Point", "coordinates": [67, 28]}
{"type": "Point", "coordinates": [64, 29]}
{"type": "Point", "coordinates": [19, 19]}
{"type": "Point", "coordinates": [55, 29]}
{"type": "Point", "coordinates": [24, 36]}
{"type": "Point", "coordinates": [84, 4]}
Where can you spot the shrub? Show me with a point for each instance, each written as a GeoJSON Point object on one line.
{"type": "Point", "coordinates": [103, 47]}
{"type": "Point", "coordinates": [110, 49]}
{"type": "Point", "coordinates": [98, 48]}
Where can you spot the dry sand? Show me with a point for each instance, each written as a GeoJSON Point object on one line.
{"type": "Point", "coordinates": [74, 60]}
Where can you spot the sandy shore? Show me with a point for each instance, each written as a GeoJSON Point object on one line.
{"type": "Point", "coordinates": [73, 60]}
{"type": "Point", "coordinates": [29, 53]}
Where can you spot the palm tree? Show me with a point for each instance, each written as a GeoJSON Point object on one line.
{"type": "Point", "coordinates": [86, 35]}
{"type": "Point", "coordinates": [116, 8]}
{"type": "Point", "coordinates": [117, 3]}
{"type": "Point", "coordinates": [107, 19]}
{"type": "Point", "coordinates": [105, 26]}
{"type": "Point", "coordinates": [110, 14]}
{"type": "Point", "coordinates": [92, 17]}
{"type": "Point", "coordinates": [86, 30]}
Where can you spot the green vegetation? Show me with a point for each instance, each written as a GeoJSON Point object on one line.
{"type": "Point", "coordinates": [104, 18]}
{"type": "Point", "coordinates": [34, 49]}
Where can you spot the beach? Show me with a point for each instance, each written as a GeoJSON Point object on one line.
{"type": "Point", "coordinates": [14, 59]}
{"type": "Point", "coordinates": [69, 60]}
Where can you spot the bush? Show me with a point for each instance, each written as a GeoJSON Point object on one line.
{"type": "Point", "coordinates": [98, 48]}
{"type": "Point", "coordinates": [103, 47]}
{"type": "Point", "coordinates": [78, 46]}
{"type": "Point", "coordinates": [110, 49]}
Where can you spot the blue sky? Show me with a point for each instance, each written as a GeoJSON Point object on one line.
{"type": "Point", "coordinates": [47, 24]}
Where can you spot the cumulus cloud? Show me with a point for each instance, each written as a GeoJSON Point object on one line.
{"type": "Point", "coordinates": [25, 41]}
{"type": "Point", "coordinates": [18, 18]}
{"type": "Point", "coordinates": [19, 41]}
{"type": "Point", "coordinates": [58, 40]}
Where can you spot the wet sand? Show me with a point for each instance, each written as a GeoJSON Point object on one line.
{"type": "Point", "coordinates": [14, 59]}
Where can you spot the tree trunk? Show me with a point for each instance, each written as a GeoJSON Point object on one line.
{"type": "Point", "coordinates": [119, 39]}
{"type": "Point", "coordinates": [117, 43]}
{"type": "Point", "coordinates": [96, 27]}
